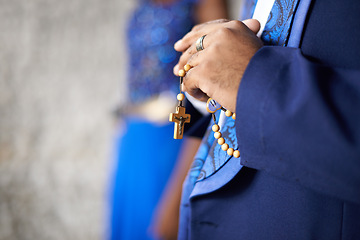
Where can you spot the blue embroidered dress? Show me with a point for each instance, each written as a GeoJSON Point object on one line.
{"type": "Point", "coordinates": [145, 153]}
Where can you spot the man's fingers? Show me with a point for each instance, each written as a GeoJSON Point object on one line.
{"type": "Point", "coordinates": [197, 32]}
{"type": "Point", "coordinates": [207, 27]}
{"type": "Point", "coordinates": [191, 85]}
{"type": "Point", "coordinates": [184, 58]}
{"type": "Point", "coordinates": [185, 42]}
{"type": "Point", "coordinates": [192, 79]}
{"type": "Point", "coordinates": [176, 70]}
{"type": "Point", "coordinates": [189, 38]}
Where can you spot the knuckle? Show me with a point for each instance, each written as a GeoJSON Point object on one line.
{"type": "Point", "coordinates": [196, 27]}
{"type": "Point", "coordinates": [207, 66]}
{"type": "Point", "coordinates": [182, 60]}
{"type": "Point", "coordinates": [223, 20]}
{"type": "Point", "coordinates": [190, 74]}
{"type": "Point", "coordinates": [224, 32]}
{"type": "Point", "coordinates": [189, 51]}
{"type": "Point", "coordinates": [215, 48]}
{"type": "Point", "coordinates": [236, 24]}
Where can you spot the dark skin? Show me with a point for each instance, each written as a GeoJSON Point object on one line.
{"type": "Point", "coordinates": [218, 69]}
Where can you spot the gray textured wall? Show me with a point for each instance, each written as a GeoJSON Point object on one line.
{"type": "Point", "coordinates": [62, 66]}
{"type": "Point", "coordinates": [62, 70]}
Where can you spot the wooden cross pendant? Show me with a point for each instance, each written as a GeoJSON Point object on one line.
{"type": "Point", "coordinates": [179, 118]}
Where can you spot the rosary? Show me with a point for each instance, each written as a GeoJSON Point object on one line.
{"type": "Point", "coordinates": [180, 117]}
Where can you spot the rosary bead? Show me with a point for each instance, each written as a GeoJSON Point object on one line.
{"type": "Point", "coordinates": [215, 128]}
{"type": "Point", "coordinates": [181, 73]}
{"type": "Point", "coordinates": [187, 67]}
{"type": "Point", "coordinates": [230, 151]}
{"type": "Point", "coordinates": [217, 135]}
{"type": "Point", "coordinates": [228, 113]}
{"type": "Point", "coordinates": [180, 96]}
{"type": "Point", "coordinates": [225, 147]}
{"type": "Point", "coordinates": [221, 141]}
{"type": "Point", "coordinates": [236, 154]}
{"type": "Point", "coordinates": [212, 106]}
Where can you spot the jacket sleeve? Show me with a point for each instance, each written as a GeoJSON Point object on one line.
{"type": "Point", "coordinates": [300, 121]}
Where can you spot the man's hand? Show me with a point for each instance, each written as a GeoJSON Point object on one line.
{"type": "Point", "coordinates": [218, 69]}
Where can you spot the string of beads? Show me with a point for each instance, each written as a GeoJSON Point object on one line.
{"type": "Point", "coordinates": [212, 106]}
{"type": "Point", "coordinates": [182, 72]}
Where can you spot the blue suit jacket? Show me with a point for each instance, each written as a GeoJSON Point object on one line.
{"type": "Point", "coordinates": [298, 130]}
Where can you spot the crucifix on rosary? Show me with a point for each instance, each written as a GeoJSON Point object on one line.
{"type": "Point", "coordinates": [180, 117]}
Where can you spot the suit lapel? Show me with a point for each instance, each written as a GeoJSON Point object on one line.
{"type": "Point", "coordinates": [217, 168]}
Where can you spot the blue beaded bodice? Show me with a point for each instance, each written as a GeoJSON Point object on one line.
{"type": "Point", "coordinates": [152, 31]}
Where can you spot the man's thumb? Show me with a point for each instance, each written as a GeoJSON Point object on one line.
{"type": "Point", "coordinates": [252, 24]}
